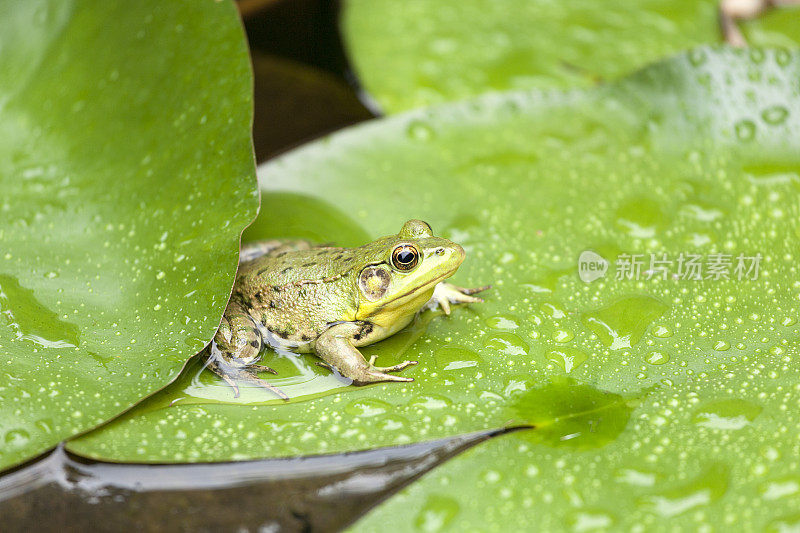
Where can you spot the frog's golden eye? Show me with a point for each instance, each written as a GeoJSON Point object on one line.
{"type": "Point", "coordinates": [405, 257]}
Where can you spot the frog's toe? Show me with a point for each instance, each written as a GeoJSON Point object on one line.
{"type": "Point", "coordinates": [262, 368]}
{"type": "Point", "coordinates": [231, 383]}
{"type": "Point", "coordinates": [460, 295]}
{"type": "Point", "coordinates": [395, 368]}
{"type": "Point", "coordinates": [233, 376]}
{"type": "Point", "coordinates": [261, 383]}
{"type": "Point", "coordinates": [446, 293]}
{"type": "Point", "coordinates": [375, 375]}
{"type": "Point", "coordinates": [473, 290]}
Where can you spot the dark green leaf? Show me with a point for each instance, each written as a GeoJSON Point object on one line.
{"type": "Point", "coordinates": [127, 178]}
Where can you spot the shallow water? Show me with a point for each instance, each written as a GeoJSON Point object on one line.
{"type": "Point", "coordinates": [322, 493]}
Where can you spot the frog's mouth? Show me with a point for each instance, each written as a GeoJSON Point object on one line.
{"type": "Point", "coordinates": [421, 288]}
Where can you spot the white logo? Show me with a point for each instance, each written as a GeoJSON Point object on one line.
{"type": "Point", "coordinates": [591, 266]}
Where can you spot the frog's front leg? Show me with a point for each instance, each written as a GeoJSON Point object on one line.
{"type": "Point", "coordinates": [731, 11]}
{"type": "Point", "coordinates": [236, 348]}
{"type": "Point", "coordinates": [335, 347]}
{"type": "Point", "coordinates": [446, 293]}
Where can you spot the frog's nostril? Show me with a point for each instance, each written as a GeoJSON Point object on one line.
{"type": "Point", "coordinates": [440, 251]}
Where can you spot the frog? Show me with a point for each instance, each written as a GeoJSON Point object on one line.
{"type": "Point", "coordinates": [304, 298]}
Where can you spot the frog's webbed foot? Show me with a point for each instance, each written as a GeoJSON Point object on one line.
{"type": "Point", "coordinates": [234, 375]}
{"type": "Point", "coordinates": [335, 348]}
{"type": "Point", "coordinates": [446, 293]}
{"type": "Point", "coordinates": [236, 348]}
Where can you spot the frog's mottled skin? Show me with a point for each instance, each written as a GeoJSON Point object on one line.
{"type": "Point", "coordinates": [329, 300]}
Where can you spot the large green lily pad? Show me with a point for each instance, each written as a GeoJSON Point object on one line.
{"type": "Point", "coordinates": [656, 401]}
{"type": "Point", "coordinates": [418, 52]}
{"type": "Point", "coordinates": [127, 177]}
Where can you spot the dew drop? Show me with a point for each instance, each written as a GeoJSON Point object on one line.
{"type": "Point", "coordinates": [780, 488]}
{"type": "Point", "coordinates": [662, 332]}
{"type": "Point", "coordinates": [641, 217]}
{"type": "Point", "coordinates": [756, 55]}
{"type": "Point", "coordinates": [745, 130]}
{"type": "Point", "coordinates": [657, 358]}
{"type": "Point", "coordinates": [786, 524]}
{"type": "Point", "coordinates": [775, 115]}
{"type": "Point", "coordinates": [697, 57]}
{"type": "Point", "coordinates": [420, 131]}
{"type": "Point", "coordinates": [726, 414]}
{"type": "Point", "coordinates": [455, 357]}
{"type": "Point", "coordinates": [782, 57]}
{"type": "Point", "coordinates": [491, 476]}
{"type": "Point", "coordinates": [436, 514]}
{"type": "Point", "coordinates": [706, 488]}
{"type": "Point", "coordinates": [563, 335]}
{"type": "Point", "coordinates": [552, 310]}
{"type": "Point", "coordinates": [622, 324]}
{"type": "Point", "coordinates": [502, 322]}
{"type": "Point", "coordinates": [590, 521]}
{"type": "Point", "coordinates": [507, 344]}
{"type": "Point", "coordinates": [16, 438]}
{"type": "Point", "coordinates": [367, 407]}
{"type": "Point", "coordinates": [567, 358]}
{"type": "Point", "coordinates": [637, 478]}
{"type": "Point", "coordinates": [430, 401]}
{"type": "Point", "coordinates": [391, 423]}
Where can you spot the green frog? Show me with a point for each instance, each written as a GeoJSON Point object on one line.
{"type": "Point", "coordinates": [295, 296]}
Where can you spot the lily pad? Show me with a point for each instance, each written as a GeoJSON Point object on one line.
{"type": "Point", "coordinates": [415, 53]}
{"type": "Point", "coordinates": [127, 176]}
{"type": "Point", "coordinates": [629, 431]}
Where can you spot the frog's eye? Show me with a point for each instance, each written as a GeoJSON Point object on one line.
{"type": "Point", "coordinates": [405, 257]}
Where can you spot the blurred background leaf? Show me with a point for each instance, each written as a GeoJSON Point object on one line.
{"type": "Point", "coordinates": [420, 52]}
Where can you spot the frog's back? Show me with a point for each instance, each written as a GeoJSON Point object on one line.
{"type": "Point", "coordinates": [298, 294]}
{"type": "Point", "coordinates": [284, 268]}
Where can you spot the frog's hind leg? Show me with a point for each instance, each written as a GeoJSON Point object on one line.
{"type": "Point", "coordinates": [236, 348]}
{"type": "Point", "coordinates": [254, 250]}
{"type": "Point", "coordinates": [335, 347]}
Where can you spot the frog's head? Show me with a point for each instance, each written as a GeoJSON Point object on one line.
{"type": "Point", "coordinates": [402, 270]}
